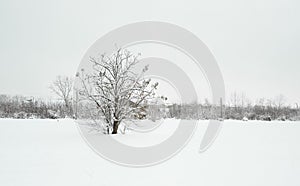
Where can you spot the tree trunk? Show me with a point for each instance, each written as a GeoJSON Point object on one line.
{"type": "Point", "coordinates": [115, 127]}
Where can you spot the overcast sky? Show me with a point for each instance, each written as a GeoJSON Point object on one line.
{"type": "Point", "coordinates": [256, 42]}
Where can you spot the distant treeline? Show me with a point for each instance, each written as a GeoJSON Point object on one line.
{"type": "Point", "coordinates": [29, 107]}
{"type": "Point", "coordinates": [249, 112]}
{"type": "Point", "coordinates": [21, 107]}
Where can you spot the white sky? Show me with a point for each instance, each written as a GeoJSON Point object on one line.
{"type": "Point", "coordinates": [256, 43]}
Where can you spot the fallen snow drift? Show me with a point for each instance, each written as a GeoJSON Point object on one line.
{"type": "Point", "coordinates": [51, 152]}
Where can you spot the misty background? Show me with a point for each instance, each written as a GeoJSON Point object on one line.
{"type": "Point", "coordinates": [256, 43]}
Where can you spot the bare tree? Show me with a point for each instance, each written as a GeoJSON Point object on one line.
{"type": "Point", "coordinates": [118, 92]}
{"type": "Point", "coordinates": [235, 100]}
{"type": "Point", "coordinates": [62, 86]}
{"type": "Point", "coordinates": [279, 101]}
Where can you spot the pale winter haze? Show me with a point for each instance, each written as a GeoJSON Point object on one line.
{"type": "Point", "coordinates": [256, 43]}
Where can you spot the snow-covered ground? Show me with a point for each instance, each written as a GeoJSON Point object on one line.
{"type": "Point", "coordinates": [48, 152]}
